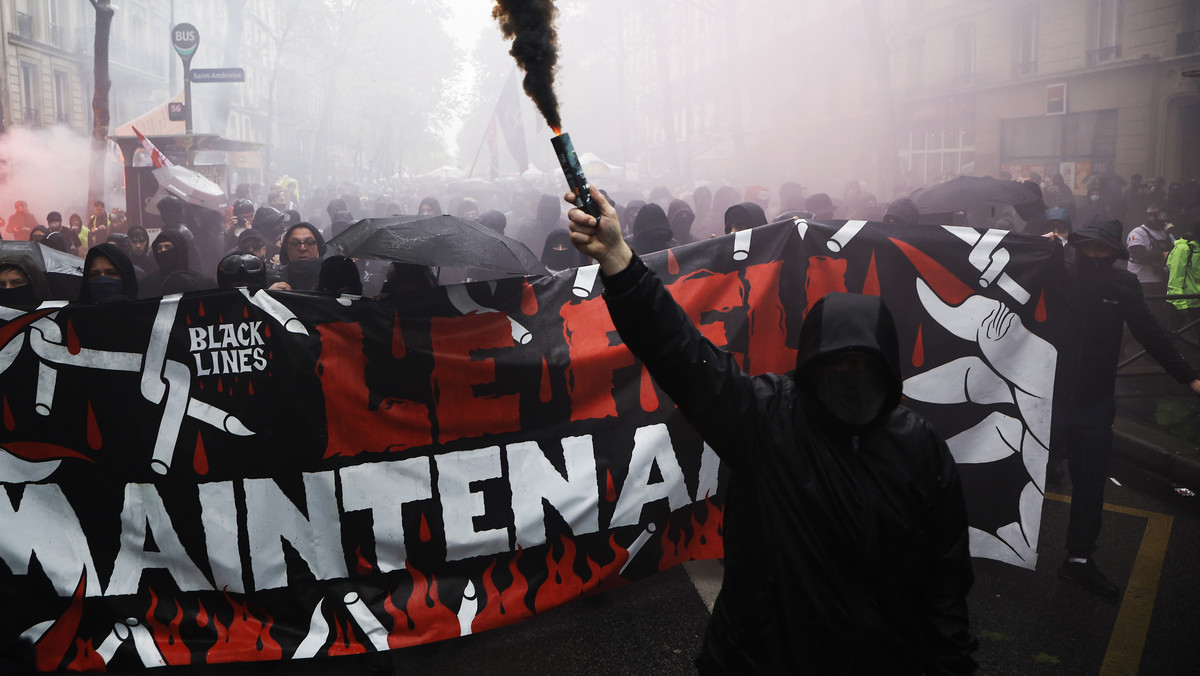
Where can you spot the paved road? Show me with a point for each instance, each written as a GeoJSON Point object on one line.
{"type": "Point", "coordinates": [1028, 622]}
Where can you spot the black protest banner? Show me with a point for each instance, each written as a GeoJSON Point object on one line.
{"type": "Point", "coordinates": [230, 476]}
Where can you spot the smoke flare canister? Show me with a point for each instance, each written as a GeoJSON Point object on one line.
{"type": "Point", "coordinates": [574, 174]}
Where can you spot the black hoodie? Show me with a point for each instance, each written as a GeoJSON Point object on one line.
{"type": "Point", "coordinates": [129, 282]}
{"type": "Point", "coordinates": [845, 552]}
{"type": "Point", "coordinates": [174, 261]}
{"type": "Point", "coordinates": [31, 294]}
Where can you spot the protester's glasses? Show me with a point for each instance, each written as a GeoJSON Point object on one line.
{"type": "Point", "coordinates": [302, 244]}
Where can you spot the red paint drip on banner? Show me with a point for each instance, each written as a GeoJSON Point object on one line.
{"type": "Point", "coordinates": [246, 312]}
{"type": "Point", "coordinates": [398, 348]}
{"type": "Point", "coordinates": [943, 282]}
{"type": "Point", "coordinates": [10, 422]}
{"type": "Point", "coordinates": [93, 430]}
{"type": "Point", "coordinates": [267, 330]}
{"type": "Point", "coordinates": [72, 339]}
{"type": "Point", "coordinates": [53, 646]}
{"type": "Point", "coordinates": [425, 535]}
{"type": "Point", "coordinates": [545, 392]}
{"type": "Point", "coordinates": [200, 309]}
{"type": "Point", "coordinates": [825, 275]}
{"type": "Point", "coordinates": [610, 492]}
{"type": "Point", "coordinates": [503, 607]}
{"type": "Point", "coordinates": [648, 397]}
{"type": "Point", "coordinates": [918, 355]}
{"type": "Point", "coordinates": [246, 639]}
{"type": "Point", "coordinates": [220, 385]}
{"type": "Point", "coordinates": [86, 657]}
{"type": "Point", "coordinates": [672, 263]}
{"type": "Point", "coordinates": [166, 636]}
{"type": "Point", "coordinates": [200, 459]}
{"type": "Point", "coordinates": [363, 566]}
{"type": "Point", "coordinates": [250, 386]}
{"type": "Point", "coordinates": [345, 643]}
{"type": "Point", "coordinates": [529, 301]}
{"type": "Point", "coordinates": [871, 283]}
{"type": "Point", "coordinates": [1039, 313]}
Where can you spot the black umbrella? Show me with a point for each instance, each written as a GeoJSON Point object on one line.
{"type": "Point", "coordinates": [64, 272]}
{"type": "Point", "coordinates": [966, 193]}
{"type": "Point", "coordinates": [436, 241]}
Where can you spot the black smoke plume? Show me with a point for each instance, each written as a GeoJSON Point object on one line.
{"type": "Point", "coordinates": [530, 25]}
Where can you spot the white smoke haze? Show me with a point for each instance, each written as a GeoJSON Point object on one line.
{"type": "Point", "coordinates": [48, 168]}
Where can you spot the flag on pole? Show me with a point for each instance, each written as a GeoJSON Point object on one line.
{"type": "Point", "coordinates": [156, 156]}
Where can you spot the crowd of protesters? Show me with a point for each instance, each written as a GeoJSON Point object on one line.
{"type": "Point", "coordinates": [288, 233]}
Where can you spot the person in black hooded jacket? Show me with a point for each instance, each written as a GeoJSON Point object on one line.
{"type": "Point", "coordinates": [171, 252]}
{"type": "Point", "coordinates": [846, 546]}
{"type": "Point", "coordinates": [1098, 300]}
{"type": "Point", "coordinates": [108, 276]}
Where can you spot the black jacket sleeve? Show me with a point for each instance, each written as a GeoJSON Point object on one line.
{"type": "Point", "coordinates": [1149, 333]}
{"type": "Point", "coordinates": [704, 381]}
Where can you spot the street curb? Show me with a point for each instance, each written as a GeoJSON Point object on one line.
{"type": "Point", "coordinates": [1159, 453]}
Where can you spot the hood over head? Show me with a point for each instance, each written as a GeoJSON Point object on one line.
{"type": "Point", "coordinates": [339, 275]}
{"type": "Point", "coordinates": [849, 322]}
{"type": "Point", "coordinates": [681, 216]}
{"type": "Point", "coordinates": [120, 261]}
{"type": "Point", "coordinates": [902, 210]}
{"type": "Point", "coordinates": [174, 259]}
{"type": "Point", "coordinates": [549, 210]}
{"type": "Point", "coordinates": [268, 220]}
{"type": "Point", "coordinates": [651, 229]}
{"type": "Point", "coordinates": [493, 220]}
{"type": "Point", "coordinates": [744, 216]}
{"type": "Point", "coordinates": [39, 288]}
{"type": "Point", "coordinates": [558, 253]}
{"type": "Point", "coordinates": [821, 205]}
{"type": "Point", "coordinates": [1107, 233]}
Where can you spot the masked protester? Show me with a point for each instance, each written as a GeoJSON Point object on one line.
{"type": "Point", "coordinates": [651, 230]}
{"type": "Point", "coordinates": [241, 269]}
{"type": "Point", "coordinates": [1099, 300]}
{"type": "Point", "coordinates": [339, 276]}
{"type": "Point", "coordinates": [846, 547]}
{"type": "Point", "coordinates": [743, 217]}
{"type": "Point", "coordinates": [108, 276]}
{"type": "Point", "coordinates": [300, 259]}
{"type": "Point", "coordinates": [22, 284]}
{"type": "Point", "coordinates": [139, 247]}
{"type": "Point", "coordinates": [558, 254]}
{"type": "Point", "coordinates": [172, 253]}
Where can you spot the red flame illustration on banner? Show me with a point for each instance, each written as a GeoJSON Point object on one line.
{"type": "Point", "coordinates": [424, 618]}
{"type": "Point", "coordinates": [246, 638]}
{"type": "Point", "coordinates": [705, 541]}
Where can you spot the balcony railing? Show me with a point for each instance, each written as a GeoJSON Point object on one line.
{"type": "Point", "coordinates": [25, 25]}
{"type": "Point", "coordinates": [1096, 57]}
{"type": "Point", "coordinates": [1187, 43]}
{"type": "Point", "coordinates": [30, 116]}
{"type": "Point", "coordinates": [1024, 69]}
{"type": "Point", "coordinates": [56, 36]}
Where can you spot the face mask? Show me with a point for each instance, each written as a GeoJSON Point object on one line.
{"type": "Point", "coordinates": [20, 296]}
{"type": "Point", "coordinates": [103, 288]}
{"type": "Point", "coordinates": [306, 267]}
{"type": "Point", "coordinates": [1095, 266]}
{"type": "Point", "coordinates": [853, 397]}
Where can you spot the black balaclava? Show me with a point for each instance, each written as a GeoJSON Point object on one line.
{"type": "Point", "coordinates": [339, 275]}
{"type": "Point", "coordinates": [106, 289]}
{"type": "Point", "coordinates": [36, 291]}
{"type": "Point", "coordinates": [651, 229]}
{"type": "Point", "coordinates": [558, 253]}
{"type": "Point", "coordinates": [839, 324]}
{"type": "Point", "coordinates": [493, 220]}
{"type": "Point", "coordinates": [176, 258]}
{"type": "Point", "coordinates": [681, 217]}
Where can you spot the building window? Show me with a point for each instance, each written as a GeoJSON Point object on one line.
{"type": "Point", "coordinates": [1106, 20]}
{"type": "Point", "coordinates": [964, 54]}
{"type": "Point", "coordinates": [25, 19]}
{"type": "Point", "coordinates": [1025, 35]}
{"type": "Point", "coordinates": [29, 89]}
{"type": "Point", "coordinates": [62, 97]}
{"type": "Point", "coordinates": [55, 12]}
{"type": "Point", "coordinates": [933, 151]}
{"type": "Point", "coordinates": [1075, 145]}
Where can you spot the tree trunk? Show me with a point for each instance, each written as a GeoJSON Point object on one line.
{"type": "Point", "coordinates": [100, 112]}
